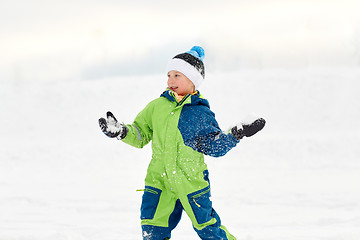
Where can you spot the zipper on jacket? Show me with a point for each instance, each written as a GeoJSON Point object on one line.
{"type": "Point", "coordinates": [183, 100]}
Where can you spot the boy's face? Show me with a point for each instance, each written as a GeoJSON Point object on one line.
{"type": "Point", "coordinates": [179, 83]}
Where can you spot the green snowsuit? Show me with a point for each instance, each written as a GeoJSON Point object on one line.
{"type": "Point", "coordinates": [177, 176]}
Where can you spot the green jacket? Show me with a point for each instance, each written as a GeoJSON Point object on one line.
{"type": "Point", "coordinates": [181, 133]}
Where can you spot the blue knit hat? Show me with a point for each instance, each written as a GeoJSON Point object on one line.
{"type": "Point", "coordinates": [190, 64]}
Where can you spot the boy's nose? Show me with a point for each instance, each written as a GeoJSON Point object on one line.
{"type": "Point", "coordinates": [171, 80]}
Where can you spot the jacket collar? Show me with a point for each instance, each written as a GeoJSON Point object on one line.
{"type": "Point", "coordinates": [196, 99]}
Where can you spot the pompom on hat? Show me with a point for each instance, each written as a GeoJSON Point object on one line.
{"type": "Point", "coordinates": [190, 64]}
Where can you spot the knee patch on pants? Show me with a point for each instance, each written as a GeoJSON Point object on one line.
{"type": "Point", "coordinates": [160, 208]}
{"type": "Point", "coordinates": [201, 205]}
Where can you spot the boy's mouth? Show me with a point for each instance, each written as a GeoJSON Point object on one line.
{"type": "Point", "coordinates": [173, 88]}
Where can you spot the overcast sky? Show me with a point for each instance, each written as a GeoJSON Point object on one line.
{"type": "Point", "coordinates": [87, 39]}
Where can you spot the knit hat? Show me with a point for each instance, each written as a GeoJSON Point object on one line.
{"type": "Point", "coordinates": [190, 64]}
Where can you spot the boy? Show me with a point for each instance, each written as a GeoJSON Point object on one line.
{"type": "Point", "coordinates": [182, 129]}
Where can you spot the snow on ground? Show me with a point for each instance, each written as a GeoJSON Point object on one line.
{"type": "Point", "coordinates": [62, 179]}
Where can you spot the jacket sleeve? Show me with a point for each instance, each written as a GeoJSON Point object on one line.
{"type": "Point", "coordinates": [140, 131]}
{"type": "Point", "coordinates": [201, 132]}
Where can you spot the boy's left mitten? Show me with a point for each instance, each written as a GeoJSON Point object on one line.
{"type": "Point", "coordinates": [112, 128]}
{"type": "Point", "coordinates": [247, 129]}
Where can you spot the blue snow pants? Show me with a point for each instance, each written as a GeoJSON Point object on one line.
{"type": "Point", "coordinates": [207, 222]}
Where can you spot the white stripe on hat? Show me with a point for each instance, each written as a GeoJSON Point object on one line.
{"type": "Point", "coordinates": [177, 64]}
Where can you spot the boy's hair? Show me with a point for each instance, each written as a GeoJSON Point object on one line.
{"type": "Point", "coordinates": [190, 64]}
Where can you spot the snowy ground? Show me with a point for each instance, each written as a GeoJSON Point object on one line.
{"type": "Point", "coordinates": [62, 179]}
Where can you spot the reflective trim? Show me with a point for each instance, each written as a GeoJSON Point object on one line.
{"type": "Point", "coordinates": [138, 132]}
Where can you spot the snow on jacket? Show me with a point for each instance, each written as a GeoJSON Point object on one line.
{"type": "Point", "coordinates": [181, 133]}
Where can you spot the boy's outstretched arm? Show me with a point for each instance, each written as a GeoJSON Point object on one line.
{"type": "Point", "coordinates": [137, 134]}
{"type": "Point", "coordinates": [215, 143]}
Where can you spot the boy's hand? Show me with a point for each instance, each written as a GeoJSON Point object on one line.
{"type": "Point", "coordinates": [247, 129]}
{"type": "Point", "coordinates": [112, 128]}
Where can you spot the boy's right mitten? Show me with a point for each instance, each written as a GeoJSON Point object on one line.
{"type": "Point", "coordinates": [111, 127]}
{"type": "Point", "coordinates": [247, 130]}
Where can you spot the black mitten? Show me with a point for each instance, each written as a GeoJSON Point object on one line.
{"type": "Point", "coordinates": [111, 127]}
{"type": "Point", "coordinates": [247, 130]}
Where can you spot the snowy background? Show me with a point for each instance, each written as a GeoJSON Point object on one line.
{"type": "Point", "coordinates": [63, 64]}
